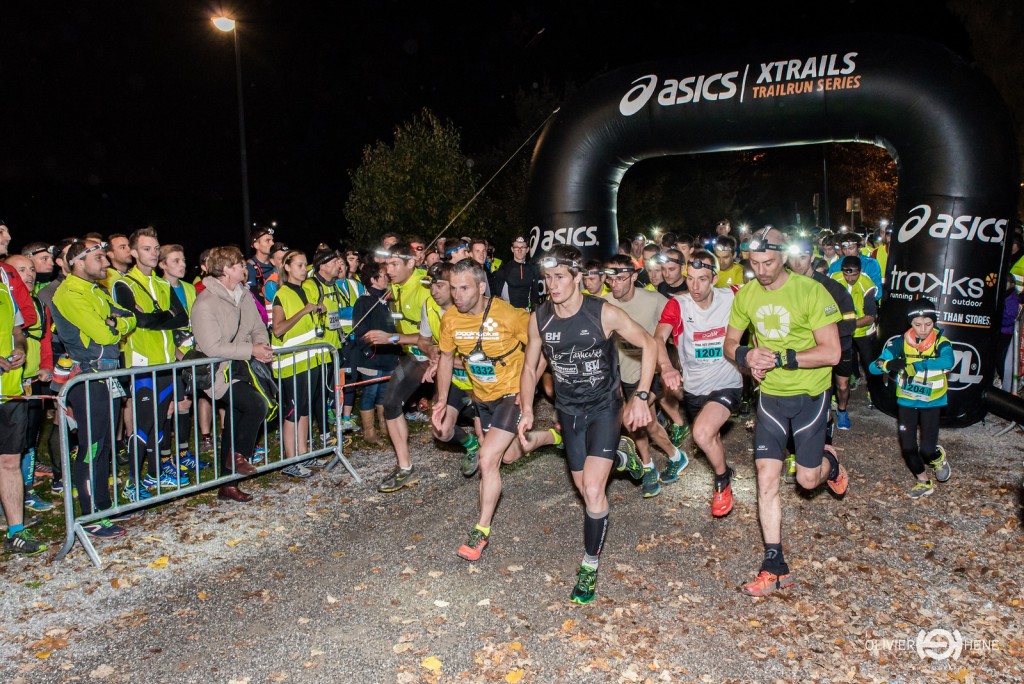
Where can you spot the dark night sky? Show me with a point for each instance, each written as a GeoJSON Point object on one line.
{"type": "Point", "coordinates": [120, 114]}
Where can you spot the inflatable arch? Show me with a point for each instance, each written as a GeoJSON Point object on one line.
{"type": "Point", "coordinates": [941, 121]}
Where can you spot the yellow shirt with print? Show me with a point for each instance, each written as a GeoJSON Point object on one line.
{"type": "Point", "coordinates": [504, 331]}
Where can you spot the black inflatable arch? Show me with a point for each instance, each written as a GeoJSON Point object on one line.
{"type": "Point", "coordinates": [940, 120]}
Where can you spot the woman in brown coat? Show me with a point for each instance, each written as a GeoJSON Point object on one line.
{"type": "Point", "coordinates": [226, 324]}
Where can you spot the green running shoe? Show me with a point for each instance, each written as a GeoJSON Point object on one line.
{"type": "Point", "coordinates": [397, 479]}
{"type": "Point", "coordinates": [941, 467]}
{"type": "Point", "coordinates": [629, 460]}
{"type": "Point", "coordinates": [586, 583]}
{"type": "Point", "coordinates": [921, 489]}
{"type": "Point", "coordinates": [673, 468]}
{"type": "Point", "coordinates": [789, 469]}
{"type": "Point", "coordinates": [677, 433]}
{"type": "Point", "coordinates": [649, 485]}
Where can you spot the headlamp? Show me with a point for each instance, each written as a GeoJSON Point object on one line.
{"type": "Point", "coordinates": [453, 250]}
{"type": "Point", "coordinates": [618, 270]}
{"type": "Point", "coordinates": [101, 246]}
{"type": "Point", "coordinates": [551, 262]}
{"type": "Point", "coordinates": [760, 243]}
{"type": "Point", "coordinates": [477, 357]}
{"type": "Point", "coordinates": [428, 281]}
{"type": "Point", "coordinates": [382, 253]}
{"type": "Point", "coordinates": [40, 250]}
{"type": "Point", "coordinates": [595, 272]}
{"type": "Point", "coordinates": [698, 263]}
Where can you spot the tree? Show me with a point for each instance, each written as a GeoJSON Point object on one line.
{"type": "Point", "coordinates": [416, 185]}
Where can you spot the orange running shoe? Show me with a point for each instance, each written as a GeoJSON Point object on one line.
{"type": "Point", "coordinates": [474, 546]}
{"type": "Point", "coordinates": [767, 583]}
{"type": "Point", "coordinates": [842, 481]}
{"type": "Point", "coordinates": [721, 502]}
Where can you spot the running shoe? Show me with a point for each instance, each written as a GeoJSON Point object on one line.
{"type": "Point", "coordinates": [347, 425]}
{"type": "Point", "coordinates": [23, 543]}
{"type": "Point", "coordinates": [165, 481]}
{"type": "Point", "coordinates": [586, 584]}
{"type": "Point", "coordinates": [56, 487]}
{"type": "Point", "coordinates": [397, 479]}
{"type": "Point", "coordinates": [721, 501]}
{"type": "Point", "coordinates": [297, 470]}
{"type": "Point", "coordinates": [678, 433]}
{"type": "Point", "coordinates": [649, 484]}
{"type": "Point", "coordinates": [206, 443]}
{"type": "Point", "coordinates": [469, 463]}
{"type": "Point", "coordinates": [43, 470]}
{"type": "Point", "coordinates": [941, 466]}
{"type": "Point", "coordinates": [417, 417]}
{"type": "Point", "coordinates": [188, 461]}
{"type": "Point", "coordinates": [745, 405]}
{"type": "Point", "coordinates": [328, 440]}
{"type": "Point", "coordinates": [842, 481]}
{"type": "Point", "coordinates": [556, 433]}
{"type": "Point", "coordinates": [122, 451]}
{"type": "Point", "coordinates": [921, 489]}
{"type": "Point", "coordinates": [34, 503]}
{"type": "Point", "coordinates": [259, 454]}
{"type": "Point", "coordinates": [673, 468]}
{"type": "Point", "coordinates": [853, 382]}
{"type": "Point", "coordinates": [767, 583]}
{"type": "Point", "coordinates": [629, 460]}
{"type": "Point", "coordinates": [789, 469]}
{"type": "Point", "coordinates": [133, 494]}
{"type": "Point", "coordinates": [168, 469]}
{"type": "Point", "coordinates": [104, 529]}
{"type": "Point", "coordinates": [843, 420]}
{"type": "Point", "coordinates": [474, 546]}
{"type": "Point", "coordinates": [833, 405]}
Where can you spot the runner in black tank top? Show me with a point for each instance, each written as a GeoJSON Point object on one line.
{"type": "Point", "coordinates": [573, 333]}
{"type": "Point", "coordinates": [582, 359]}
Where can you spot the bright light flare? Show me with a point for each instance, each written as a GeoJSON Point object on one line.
{"type": "Point", "coordinates": [225, 24]}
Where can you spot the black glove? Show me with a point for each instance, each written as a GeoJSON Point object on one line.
{"type": "Point", "coordinates": [896, 366]}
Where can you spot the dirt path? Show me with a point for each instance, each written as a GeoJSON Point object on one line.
{"type": "Point", "coordinates": [330, 581]}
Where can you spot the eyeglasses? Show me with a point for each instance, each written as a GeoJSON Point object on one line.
{"type": "Point", "coordinates": [619, 279]}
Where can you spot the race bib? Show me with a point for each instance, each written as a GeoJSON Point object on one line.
{"type": "Point", "coordinates": [116, 390]}
{"type": "Point", "coordinates": [483, 371]}
{"type": "Point", "coordinates": [708, 345]}
{"type": "Point", "coordinates": [420, 356]}
{"type": "Point", "coordinates": [333, 320]}
{"type": "Point", "coordinates": [460, 374]}
{"type": "Point", "coordinates": [922, 392]}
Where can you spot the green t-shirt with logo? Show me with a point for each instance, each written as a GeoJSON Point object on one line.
{"type": "Point", "coordinates": [783, 319]}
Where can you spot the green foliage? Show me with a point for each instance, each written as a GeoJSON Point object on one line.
{"type": "Point", "coordinates": [413, 186]}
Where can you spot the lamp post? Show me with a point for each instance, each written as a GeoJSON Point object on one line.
{"type": "Point", "coordinates": [228, 25]}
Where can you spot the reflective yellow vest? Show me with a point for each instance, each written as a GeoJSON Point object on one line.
{"type": "Point", "coordinates": [303, 332]}
{"type": "Point", "coordinates": [925, 385]}
{"type": "Point", "coordinates": [10, 382]}
{"type": "Point", "coordinates": [459, 376]}
{"type": "Point", "coordinates": [148, 347]}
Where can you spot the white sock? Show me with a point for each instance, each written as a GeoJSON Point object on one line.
{"type": "Point", "coordinates": [590, 561]}
{"type": "Point", "coordinates": [676, 456]}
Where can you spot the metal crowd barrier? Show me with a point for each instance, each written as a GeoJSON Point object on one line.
{"type": "Point", "coordinates": [166, 378]}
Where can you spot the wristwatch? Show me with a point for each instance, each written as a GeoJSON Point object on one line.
{"type": "Point", "coordinates": [394, 339]}
{"type": "Point", "coordinates": [644, 395]}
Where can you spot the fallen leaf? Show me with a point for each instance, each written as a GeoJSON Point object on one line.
{"type": "Point", "coordinates": [514, 568]}
{"type": "Point", "coordinates": [514, 676]}
{"type": "Point", "coordinates": [435, 573]}
{"type": "Point", "coordinates": [43, 655]}
{"type": "Point", "coordinates": [568, 624]}
{"type": "Point", "coordinates": [516, 646]}
{"type": "Point", "coordinates": [101, 672]}
{"type": "Point", "coordinates": [431, 663]}
{"type": "Point", "coordinates": [233, 542]}
{"type": "Point", "coordinates": [401, 648]}
{"type": "Point", "coordinates": [202, 596]}
{"type": "Point", "coordinates": [484, 602]}
{"type": "Point", "coordinates": [441, 604]}
{"type": "Point", "coordinates": [303, 620]}
{"type": "Point", "coordinates": [331, 599]}
{"type": "Point", "coordinates": [277, 676]}
{"type": "Point", "coordinates": [160, 563]}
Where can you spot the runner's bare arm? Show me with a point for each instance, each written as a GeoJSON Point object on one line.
{"type": "Point", "coordinates": [758, 359]}
{"type": "Point", "coordinates": [669, 375]}
{"type": "Point", "coordinates": [528, 379]}
{"type": "Point", "coordinates": [443, 381]}
{"type": "Point", "coordinates": [826, 350]}
{"type": "Point", "coordinates": [637, 413]}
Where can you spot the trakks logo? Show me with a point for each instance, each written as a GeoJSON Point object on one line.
{"type": "Point", "coordinates": [964, 227]}
{"type": "Point", "coordinates": [967, 290]}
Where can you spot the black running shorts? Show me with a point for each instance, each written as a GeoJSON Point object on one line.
{"type": "Point", "coordinates": [502, 413]}
{"type": "Point", "coordinates": [13, 427]}
{"type": "Point", "coordinates": [728, 397]}
{"type": "Point", "coordinates": [802, 416]}
{"type": "Point", "coordinates": [594, 434]}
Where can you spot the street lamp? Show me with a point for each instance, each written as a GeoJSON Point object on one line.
{"type": "Point", "coordinates": [228, 25]}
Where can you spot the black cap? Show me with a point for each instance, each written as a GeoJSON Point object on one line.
{"type": "Point", "coordinates": [260, 232]}
{"type": "Point", "coordinates": [923, 307]}
{"type": "Point", "coordinates": [278, 247]}
{"type": "Point", "coordinates": [322, 256]}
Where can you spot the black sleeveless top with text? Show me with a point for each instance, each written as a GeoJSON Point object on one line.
{"type": "Point", "coordinates": [582, 358]}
